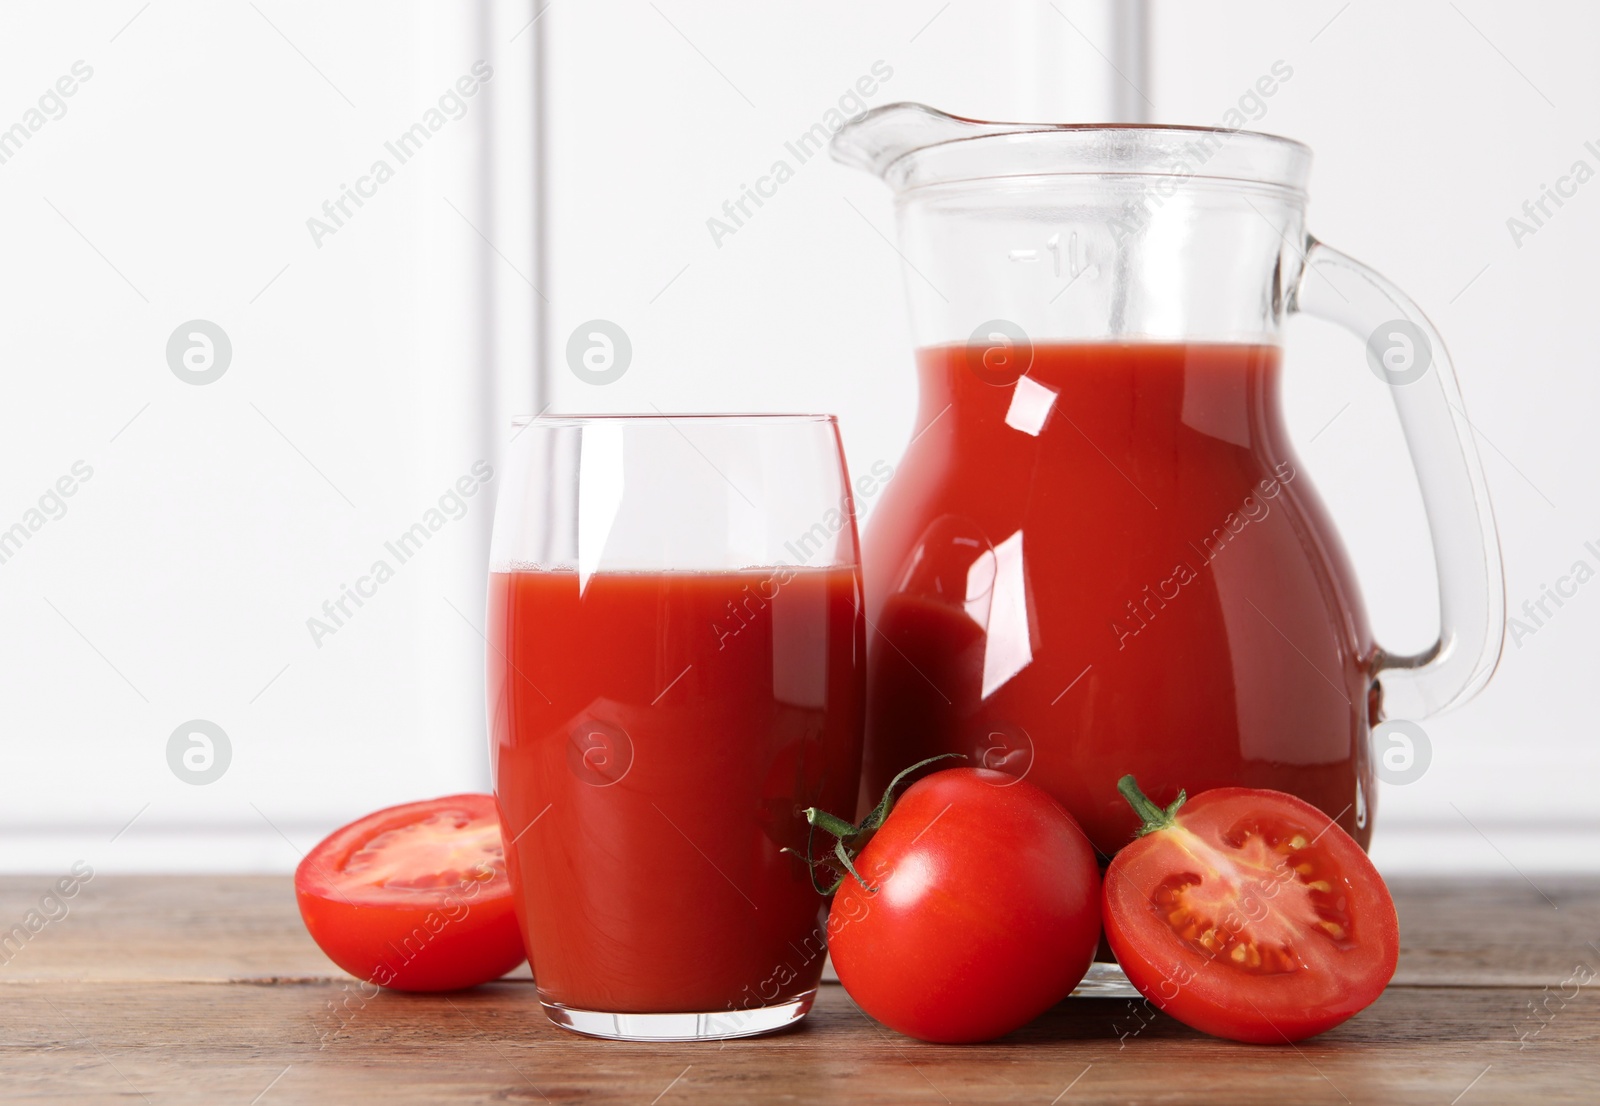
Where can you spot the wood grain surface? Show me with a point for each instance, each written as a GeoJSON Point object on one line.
{"type": "Point", "coordinates": [207, 990]}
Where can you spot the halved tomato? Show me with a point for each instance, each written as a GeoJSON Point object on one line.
{"type": "Point", "coordinates": [1249, 914]}
{"type": "Point", "coordinates": [414, 897]}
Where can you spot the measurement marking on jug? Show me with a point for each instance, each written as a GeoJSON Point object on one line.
{"type": "Point", "coordinates": [1067, 255]}
{"type": "Point", "coordinates": [1054, 244]}
{"type": "Point", "coordinates": [1071, 260]}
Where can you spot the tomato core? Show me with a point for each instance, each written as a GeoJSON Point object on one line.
{"type": "Point", "coordinates": [1258, 906]}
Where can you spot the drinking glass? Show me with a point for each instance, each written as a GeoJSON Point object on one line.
{"type": "Point", "coordinates": [676, 672]}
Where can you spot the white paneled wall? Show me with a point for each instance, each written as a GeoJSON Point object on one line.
{"type": "Point", "coordinates": [220, 518]}
{"type": "Point", "coordinates": [373, 366]}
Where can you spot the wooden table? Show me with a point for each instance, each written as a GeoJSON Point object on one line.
{"type": "Point", "coordinates": [207, 990]}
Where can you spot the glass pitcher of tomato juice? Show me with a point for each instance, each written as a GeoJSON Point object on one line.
{"type": "Point", "coordinates": [1101, 554]}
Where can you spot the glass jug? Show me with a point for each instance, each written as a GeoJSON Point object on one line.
{"type": "Point", "coordinates": [1100, 554]}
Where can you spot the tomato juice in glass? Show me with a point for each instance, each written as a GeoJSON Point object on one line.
{"type": "Point", "coordinates": [660, 736]}
{"type": "Point", "coordinates": [661, 724]}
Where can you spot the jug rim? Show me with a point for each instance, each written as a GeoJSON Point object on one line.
{"type": "Point", "coordinates": [910, 145]}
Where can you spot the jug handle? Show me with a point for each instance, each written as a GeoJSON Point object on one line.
{"type": "Point", "coordinates": [1406, 351]}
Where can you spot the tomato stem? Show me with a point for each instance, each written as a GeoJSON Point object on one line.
{"type": "Point", "coordinates": [1152, 816]}
{"type": "Point", "coordinates": [849, 839]}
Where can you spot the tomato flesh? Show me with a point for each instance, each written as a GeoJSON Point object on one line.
{"type": "Point", "coordinates": [1253, 917]}
{"type": "Point", "coordinates": [985, 910]}
{"type": "Point", "coordinates": [414, 897]}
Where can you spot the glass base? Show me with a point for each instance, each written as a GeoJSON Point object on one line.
{"type": "Point", "coordinates": [1105, 981]}
{"type": "Point", "coordinates": [716, 1025]}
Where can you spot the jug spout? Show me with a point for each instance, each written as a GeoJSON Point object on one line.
{"type": "Point", "coordinates": [879, 138]}
{"type": "Point", "coordinates": [909, 145]}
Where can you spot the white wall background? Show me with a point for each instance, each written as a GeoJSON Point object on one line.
{"type": "Point", "coordinates": [219, 518]}
{"type": "Point", "coordinates": [368, 374]}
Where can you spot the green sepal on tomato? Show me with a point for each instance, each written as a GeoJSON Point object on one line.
{"type": "Point", "coordinates": [1249, 914]}
{"type": "Point", "coordinates": [963, 909]}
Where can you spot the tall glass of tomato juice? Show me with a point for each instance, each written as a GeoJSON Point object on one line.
{"type": "Point", "coordinates": [675, 670]}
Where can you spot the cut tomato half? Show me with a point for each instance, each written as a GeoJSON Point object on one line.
{"type": "Point", "coordinates": [414, 897]}
{"type": "Point", "coordinates": [1250, 915]}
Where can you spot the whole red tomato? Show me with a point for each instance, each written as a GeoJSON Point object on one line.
{"type": "Point", "coordinates": [1249, 914]}
{"type": "Point", "coordinates": [981, 909]}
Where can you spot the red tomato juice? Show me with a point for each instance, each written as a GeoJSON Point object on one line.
{"type": "Point", "coordinates": [1116, 564]}
{"type": "Point", "coordinates": [657, 737]}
